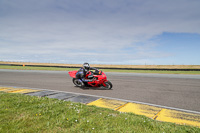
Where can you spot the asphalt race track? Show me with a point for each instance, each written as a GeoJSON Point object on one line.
{"type": "Point", "coordinates": [177, 91]}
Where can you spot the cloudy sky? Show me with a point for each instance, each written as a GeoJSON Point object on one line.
{"type": "Point", "coordinates": [138, 32]}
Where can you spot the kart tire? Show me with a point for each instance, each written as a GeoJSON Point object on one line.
{"type": "Point", "coordinates": [108, 85]}
{"type": "Point", "coordinates": [77, 82]}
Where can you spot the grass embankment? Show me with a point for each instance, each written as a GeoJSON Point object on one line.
{"type": "Point", "coordinates": [110, 66]}
{"type": "Point", "coordinates": [105, 70]}
{"type": "Point", "coordinates": [23, 113]}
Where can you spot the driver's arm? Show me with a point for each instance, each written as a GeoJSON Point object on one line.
{"type": "Point", "coordinates": [92, 68]}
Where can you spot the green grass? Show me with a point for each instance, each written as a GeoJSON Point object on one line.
{"type": "Point", "coordinates": [22, 113]}
{"type": "Point", "coordinates": [153, 71]}
{"type": "Point", "coordinates": [105, 70]}
{"type": "Point", "coordinates": [36, 68]}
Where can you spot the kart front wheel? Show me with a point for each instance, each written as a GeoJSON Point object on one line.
{"type": "Point", "coordinates": [108, 85]}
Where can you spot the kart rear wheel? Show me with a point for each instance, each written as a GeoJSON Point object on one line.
{"type": "Point", "coordinates": [108, 85]}
{"type": "Point", "coordinates": [77, 82]}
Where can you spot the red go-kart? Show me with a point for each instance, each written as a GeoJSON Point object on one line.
{"type": "Point", "coordinates": [99, 79]}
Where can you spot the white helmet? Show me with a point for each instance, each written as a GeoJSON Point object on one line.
{"type": "Point", "coordinates": [86, 66]}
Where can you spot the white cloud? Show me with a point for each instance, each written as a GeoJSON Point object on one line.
{"type": "Point", "coordinates": [102, 30]}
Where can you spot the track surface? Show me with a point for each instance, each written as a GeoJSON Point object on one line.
{"type": "Point", "coordinates": [178, 91]}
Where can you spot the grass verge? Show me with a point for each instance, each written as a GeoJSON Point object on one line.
{"type": "Point", "coordinates": [23, 113]}
{"type": "Point", "coordinates": [105, 70]}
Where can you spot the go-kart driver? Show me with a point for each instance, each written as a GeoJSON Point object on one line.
{"type": "Point", "coordinates": [81, 74]}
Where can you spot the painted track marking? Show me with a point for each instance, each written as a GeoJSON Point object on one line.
{"type": "Point", "coordinates": [160, 113]}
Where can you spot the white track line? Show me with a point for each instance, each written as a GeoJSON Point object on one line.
{"type": "Point", "coordinates": [160, 106]}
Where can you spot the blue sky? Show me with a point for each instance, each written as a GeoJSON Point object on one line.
{"type": "Point", "coordinates": [137, 32]}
